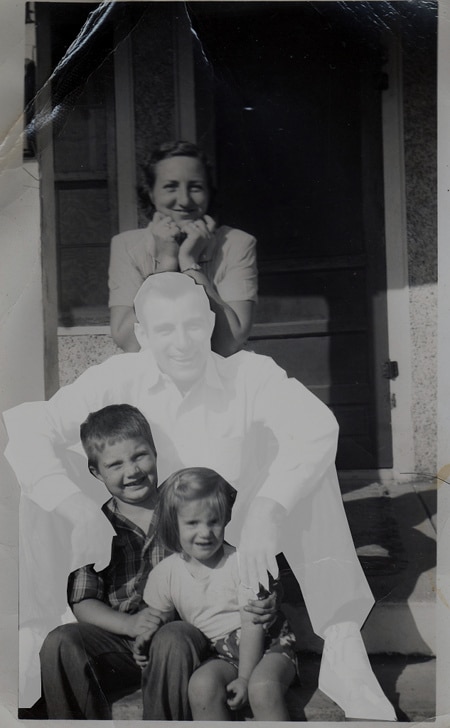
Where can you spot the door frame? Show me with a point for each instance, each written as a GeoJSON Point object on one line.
{"type": "Point", "coordinates": [398, 306]}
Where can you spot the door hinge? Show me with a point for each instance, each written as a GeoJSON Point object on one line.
{"type": "Point", "coordinates": [390, 369]}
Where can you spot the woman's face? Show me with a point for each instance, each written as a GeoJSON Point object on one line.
{"type": "Point", "coordinates": [181, 189]}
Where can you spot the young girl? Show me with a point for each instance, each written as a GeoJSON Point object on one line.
{"type": "Point", "coordinates": [200, 581]}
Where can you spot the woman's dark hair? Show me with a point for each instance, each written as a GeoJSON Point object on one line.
{"type": "Point", "coordinates": [112, 424]}
{"type": "Point", "coordinates": [186, 485]}
{"type": "Point", "coordinates": [178, 148]}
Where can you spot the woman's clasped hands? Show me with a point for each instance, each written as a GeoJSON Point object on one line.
{"type": "Point", "coordinates": [180, 244]}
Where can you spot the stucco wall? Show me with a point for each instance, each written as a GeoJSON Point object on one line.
{"type": "Point", "coordinates": [78, 353]}
{"type": "Point", "coordinates": [154, 94]}
{"type": "Point", "coordinates": [420, 128]}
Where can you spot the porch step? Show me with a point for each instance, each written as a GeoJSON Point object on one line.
{"type": "Point", "coordinates": [394, 532]}
{"type": "Point", "coordinates": [408, 682]}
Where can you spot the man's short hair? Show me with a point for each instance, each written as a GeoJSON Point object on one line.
{"type": "Point", "coordinates": [169, 285]}
{"type": "Point", "coordinates": [112, 424]}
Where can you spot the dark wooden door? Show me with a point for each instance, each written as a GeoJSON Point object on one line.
{"type": "Point", "coordinates": [297, 117]}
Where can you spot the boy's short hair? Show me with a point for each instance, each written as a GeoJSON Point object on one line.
{"type": "Point", "coordinates": [111, 424]}
{"type": "Point", "coordinates": [186, 485]}
{"type": "Point", "coordinates": [170, 285]}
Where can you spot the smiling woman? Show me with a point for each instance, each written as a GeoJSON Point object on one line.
{"type": "Point", "coordinates": [182, 237]}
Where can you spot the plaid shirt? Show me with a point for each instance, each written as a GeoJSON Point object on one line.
{"type": "Point", "coordinates": [133, 555]}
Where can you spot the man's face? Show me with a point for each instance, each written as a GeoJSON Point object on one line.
{"type": "Point", "coordinates": [178, 332]}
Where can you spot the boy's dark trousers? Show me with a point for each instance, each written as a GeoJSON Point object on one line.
{"type": "Point", "coordinates": [83, 665]}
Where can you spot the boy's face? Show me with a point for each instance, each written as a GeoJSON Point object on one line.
{"type": "Point", "coordinates": [128, 469]}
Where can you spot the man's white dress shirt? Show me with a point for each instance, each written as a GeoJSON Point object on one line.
{"type": "Point", "coordinates": [263, 432]}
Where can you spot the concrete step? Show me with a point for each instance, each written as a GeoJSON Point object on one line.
{"type": "Point", "coordinates": [408, 682]}
{"type": "Point", "coordinates": [394, 533]}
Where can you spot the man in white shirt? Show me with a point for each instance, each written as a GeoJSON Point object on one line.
{"type": "Point", "coordinates": [266, 434]}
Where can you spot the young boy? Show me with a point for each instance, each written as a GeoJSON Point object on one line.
{"type": "Point", "coordinates": [84, 662]}
{"type": "Point", "coordinates": [81, 663]}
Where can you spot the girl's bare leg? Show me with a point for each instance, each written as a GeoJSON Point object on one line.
{"type": "Point", "coordinates": [268, 685]}
{"type": "Point", "coordinates": [207, 690]}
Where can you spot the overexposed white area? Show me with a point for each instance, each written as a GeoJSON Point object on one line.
{"type": "Point", "coordinates": [21, 331]}
{"type": "Point", "coordinates": [443, 573]}
{"type": "Point", "coordinates": [267, 435]}
{"type": "Point", "coordinates": [21, 336]}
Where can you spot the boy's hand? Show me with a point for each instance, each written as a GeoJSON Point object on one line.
{"type": "Point", "coordinates": [143, 622]}
{"type": "Point", "coordinates": [238, 691]}
{"type": "Point", "coordinates": [263, 610]}
{"type": "Point", "coordinates": [141, 647]}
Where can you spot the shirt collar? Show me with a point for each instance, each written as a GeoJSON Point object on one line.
{"type": "Point", "coordinates": [116, 518]}
{"type": "Point", "coordinates": [211, 377]}
{"type": "Point", "coordinates": [152, 374]}
{"type": "Point", "coordinates": [111, 511]}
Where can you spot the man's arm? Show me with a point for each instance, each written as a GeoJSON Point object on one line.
{"type": "Point", "coordinates": [40, 432]}
{"type": "Point", "coordinates": [306, 433]}
{"type": "Point", "coordinates": [305, 430]}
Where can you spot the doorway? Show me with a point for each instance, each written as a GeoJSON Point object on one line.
{"type": "Point", "coordinates": [296, 91]}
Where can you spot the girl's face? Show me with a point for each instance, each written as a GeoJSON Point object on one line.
{"type": "Point", "coordinates": [181, 189]}
{"type": "Point", "coordinates": [201, 531]}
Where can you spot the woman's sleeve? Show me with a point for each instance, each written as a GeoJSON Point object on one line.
{"type": "Point", "coordinates": [125, 278]}
{"type": "Point", "coordinates": [239, 281]}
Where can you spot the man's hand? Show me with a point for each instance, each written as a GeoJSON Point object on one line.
{"type": "Point", "coordinates": [238, 691]}
{"type": "Point", "coordinates": [92, 533]}
{"type": "Point", "coordinates": [259, 543]}
{"type": "Point", "coordinates": [143, 622]}
{"type": "Point", "coordinates": [263, 611]}
{"type": "Point", "coordinates": [141, 648]}
{"type": "Point", "coordinates": [198, 235]}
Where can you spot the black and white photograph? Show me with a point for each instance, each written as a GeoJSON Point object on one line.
{"type": "Point", "coordinates": [224, 378]}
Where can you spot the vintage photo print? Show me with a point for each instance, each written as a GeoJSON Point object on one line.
{"type": "Point", "coordinates": [224, 420]}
